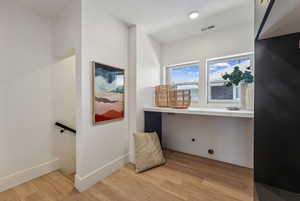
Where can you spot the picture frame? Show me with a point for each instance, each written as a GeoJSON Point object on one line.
{"type": "Point", "coordinates": [108, 93]}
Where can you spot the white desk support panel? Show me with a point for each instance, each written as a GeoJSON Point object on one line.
{"type": "Point", "coordinates": [153, 115]}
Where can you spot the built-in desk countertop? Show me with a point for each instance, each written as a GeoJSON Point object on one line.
{"type": "Point", "coordinates": [203, 111]}
{"type": "Point", "coordinates": [153, 115]}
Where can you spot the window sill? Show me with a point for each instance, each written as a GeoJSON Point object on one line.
{"type": "Point", "coordinates": [204, 111]}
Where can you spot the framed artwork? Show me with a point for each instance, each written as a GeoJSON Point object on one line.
{"type": "Point", "coordinates": [108, 96]}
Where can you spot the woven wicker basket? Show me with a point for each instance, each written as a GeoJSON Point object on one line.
{"type": "Point", "coordinates": [180, 99]}
{"type": "Point", "coordinates": [162, 94]}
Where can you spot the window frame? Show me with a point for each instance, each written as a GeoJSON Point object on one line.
{"type": "Point", "coordinates": [183, 65]}
{"type": "Point", "coordinates": [225, 59]}
{"type": "Point", "coordinates": [203, 82]}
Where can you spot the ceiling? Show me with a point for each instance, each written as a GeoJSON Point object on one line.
{"type": "Point", "coordinates": [165, 20]}
{"type": "Point", "coordinates": [46, 8]}
{"type": "Point", "coordinates": [221, 20]}
{"type": "Point", "coordinates": [155, 15]}
{"type": "Point", "coordinates": [283, 19]}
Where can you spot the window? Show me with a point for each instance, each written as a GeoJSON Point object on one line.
{"type": "Point", "coordinates": [217, 91]}
{"type": "Point", "coordinates": [185, 77]}
{"type": "Point", "coordinates": [207, 84]}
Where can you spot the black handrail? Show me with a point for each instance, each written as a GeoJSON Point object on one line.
{"type": "Point", "coordinates": [64, 127]}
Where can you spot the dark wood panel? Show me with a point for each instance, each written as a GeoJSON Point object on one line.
{"type": "Point", "coordinates": [153, 123]}
{"type": "Point", "coordinates": [277, 112]}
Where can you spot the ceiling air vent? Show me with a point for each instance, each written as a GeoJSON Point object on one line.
{"type": "Point", "coordinates": [208, 28]}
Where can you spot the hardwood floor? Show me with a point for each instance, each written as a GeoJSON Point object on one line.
{"type": "Point", "coordinates": [183, 178]}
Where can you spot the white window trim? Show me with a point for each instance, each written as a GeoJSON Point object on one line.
{"type": "Point", "coordinates": [183, 64]}
{"type": "Point", "coordinates": [245, 54]}
{"type": "Point", "coordinates": [220, 59]}
{"type": "Point", "coordinates": [203, 80]}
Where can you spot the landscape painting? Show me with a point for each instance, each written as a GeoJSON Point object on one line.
{"type": "Point", "coordinates": [108, 93]}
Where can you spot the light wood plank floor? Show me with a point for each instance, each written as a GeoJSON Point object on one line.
{"type": "Point", "coordinates": [183, 178]}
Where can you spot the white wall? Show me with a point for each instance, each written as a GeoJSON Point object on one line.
{"type": "Point", "coordinates": [103, 148]}
{"type": "Point", "coordinates": [26, 138]}
{"type": "Point", "coordinates": [148, 74]}
{"type": "Point", "coordinates": [232, 40]}
{"type": "Point", "coordinates": [64, 111]}
{"type": "Point", "coordinates": [66, 31]}
{"type": "Point", "coordinates": [144, 72]}
{"type": "Point", "coordinates": [132, 85]}
{"type": "Point", "coordinates": [230, 137]}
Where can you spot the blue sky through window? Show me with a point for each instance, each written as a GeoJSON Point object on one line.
{"type": "Point", "coordinates": [185, 74]}
{"type": "Point", "coordinates": [221, 66]}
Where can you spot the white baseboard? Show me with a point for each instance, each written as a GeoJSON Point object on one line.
{"type": "Point", "coordinates": [83, 183]}
{"type": "Point", "coordinates": [23, 176]}
{"type": "Point", "coordinates": [132, 157]}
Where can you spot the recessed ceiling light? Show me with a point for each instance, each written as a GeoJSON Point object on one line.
{"type": "Point", "coordinates": [194, 15]}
